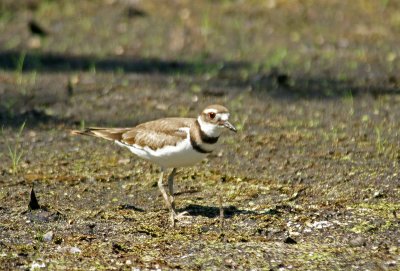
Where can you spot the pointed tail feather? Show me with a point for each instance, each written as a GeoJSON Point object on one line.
{"type": "Point", "coordinates": [106, 133]}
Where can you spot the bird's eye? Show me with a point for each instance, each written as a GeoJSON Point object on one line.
{"type": "Point", "coordinates": [211, 115]}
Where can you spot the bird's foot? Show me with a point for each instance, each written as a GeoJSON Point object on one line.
{"type": "Point", "coordinates": [180, 217]}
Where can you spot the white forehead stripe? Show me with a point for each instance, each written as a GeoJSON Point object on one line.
{"type": "Point", "coordinates": [223, 116]}
{"type": "Point", "coordinates": [211, 110]}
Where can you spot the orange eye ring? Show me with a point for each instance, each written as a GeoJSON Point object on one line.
{"type": "Point", "coordinates": [211, 115]}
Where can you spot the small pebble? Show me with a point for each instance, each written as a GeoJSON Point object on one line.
{"type": "Point", "coordinates": [48, 236]}
{"type": "Point", "coordinates": [69, 249]}
{"type": "Point", "coordinates": [74, 250]}
{"type": "Point", "coordinates": [35, 265]}
{"type": "Point", "coordinates": [358, 242]}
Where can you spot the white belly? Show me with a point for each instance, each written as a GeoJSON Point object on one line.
{"type": "Point", "coordinates": [181, 155]}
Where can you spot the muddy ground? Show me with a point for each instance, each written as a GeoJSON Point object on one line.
{"type": "Point", "coordinates": [310, 181]}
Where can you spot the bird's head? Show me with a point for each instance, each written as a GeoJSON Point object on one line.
{"type": "Point", "coordinates": [214, 119]}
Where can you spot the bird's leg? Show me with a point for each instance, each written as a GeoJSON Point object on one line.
{"type": "Point", "coordinates": [171, 188]}
{"type": "Point", "coordinates": [169, 199]}
{"type": "Point", "coordinates": [171, 196]}
{"type": "Point", "coordinates": [162, 190]}
{"type": "Point", "coordinates": [174, 215]}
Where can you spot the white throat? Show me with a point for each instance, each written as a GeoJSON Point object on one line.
{"type": "Point", "coordinates": [209, 129]}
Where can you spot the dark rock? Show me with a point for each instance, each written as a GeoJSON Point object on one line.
{"type": "Point", "coordinates": [135, 12]}
{"type": "Point", "coordinates": [37, 29]}
{"type": "Point", "coordinates": [33, 202]}
{"type": "Point", "coordinates": [290, 240]}
{"type": "Point", "coordinates": [117, 248]}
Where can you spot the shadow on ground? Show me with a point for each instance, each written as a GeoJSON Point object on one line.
{"type": "Point", "coordinates": [32, 117]}
{"type": "Point", "coordinates": [283, 85]}
{"type": "Point", "coordinates": [278, 83]}
{"type": "Point", "coordinates": [272, 82]}
{"type": "Point", "coordinates": [48, 62]}
{"type": "Point", "coordinates": [212, 212]}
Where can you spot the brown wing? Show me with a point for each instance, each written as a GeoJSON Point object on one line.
{"type": "Point", "coordinates": [153, 134]}
{"type": "Point", "coordinates": [158, 133]}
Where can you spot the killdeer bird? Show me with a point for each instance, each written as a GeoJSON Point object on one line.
{"type": "Point", "coordinates": [170, 143]}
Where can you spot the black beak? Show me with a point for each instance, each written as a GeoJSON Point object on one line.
{"type": "Point", "coordinates": [228, 125]}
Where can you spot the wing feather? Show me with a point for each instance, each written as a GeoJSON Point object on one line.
{"type": "Point", "coordinates": [158, 133]}
{"type": "Point", "coordinates": [153, 134]}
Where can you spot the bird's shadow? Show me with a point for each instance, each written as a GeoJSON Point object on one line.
{"type": "Point", "coordinates": [212, 212]}
{"type": "Point", "coordinates": [130, 207]}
